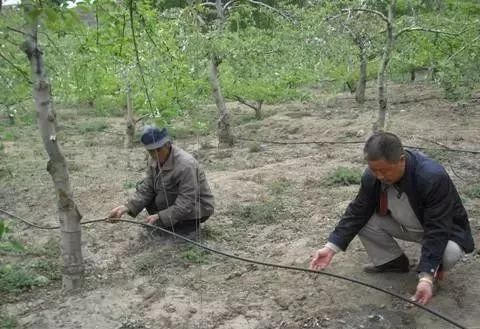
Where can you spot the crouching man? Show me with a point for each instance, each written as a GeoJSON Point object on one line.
{"type": "Point", "coordinates": [403, 195]}
{"type": "Point", "coordinates": [175, 191]}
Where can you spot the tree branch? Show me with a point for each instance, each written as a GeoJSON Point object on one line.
{"type": "Point", "coordinates": [141, 118]}
{"type": "Point", "coordinates": [225, 6]}
{"type": "Point", "coordinates": [244, 102]}
{"type": "Point", "coordinates": [139, 64]}
{"type": "Point", "coordinates": [462, 49]}
{"type": "Point", "coordinates": [147, 31]}
{"type": "Point", "coordinates": [371, 11]}
{"type": "Point", "coordinates": [22, 72]}
{"type": "Point", "coordinates": [52, 42]}
{"type": "Point", "coordinates": [18, 31]}
{"type": "Point", "coordinates": [417, 28]}
{"type": "Point", "coordinates": [281, 13]}
{"type": "Point", "coordinates": [212, 4]}
{"type": "Point", "coordinates": [123, 34]}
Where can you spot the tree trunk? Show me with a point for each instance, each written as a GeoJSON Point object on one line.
{"type": "Point", "coordinates": [382, 84]}
{"type": "Point", "coordinates": [362, 81]}
{"type": "Point", "coordinates": [256, 106]}
{"type": "Point", "coordinates": [57, 167]}
{"type": "Point", "coordinates": [130, 132]}
{"type": "Point", "coordinates": [258, 110]}
{"type": "Point", "coordinates": [225, 137]}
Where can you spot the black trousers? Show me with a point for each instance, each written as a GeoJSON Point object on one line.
{"type": "Point", "coordinates": [183, 227]}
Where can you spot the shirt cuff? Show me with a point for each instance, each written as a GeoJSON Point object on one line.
{"type": "Point", "coordinates": [333, 247]}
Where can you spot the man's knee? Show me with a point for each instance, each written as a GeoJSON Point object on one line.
{"type": "Point", "coordinates": [453, 253]}
{"type": "Point", "coordinates": [374, 225]}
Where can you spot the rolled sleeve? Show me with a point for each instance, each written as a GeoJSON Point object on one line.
{"type": "Point", "coordinates": [144, 194]}
{"type": "Point", "coordinates": [356, 215]}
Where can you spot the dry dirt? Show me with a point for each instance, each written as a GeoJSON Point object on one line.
{"type": "Point", "coordinates": [140, 281]}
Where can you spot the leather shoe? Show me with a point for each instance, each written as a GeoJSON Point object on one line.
{"type": "Point", "coordinates": [398, 265]}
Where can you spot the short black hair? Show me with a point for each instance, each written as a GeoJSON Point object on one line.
{"type": "Point", "coordinates": [383, 145]}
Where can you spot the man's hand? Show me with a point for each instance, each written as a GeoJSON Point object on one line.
{"type": "Point", "coordinates": [321, 259]}
{"type": "Point", "coordinates": [152, 219]}
{"type": "Point", "coordinates": [117, 212]}
{"type": "Point", "coordinates": [424, 292]}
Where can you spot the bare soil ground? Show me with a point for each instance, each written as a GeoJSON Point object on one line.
{"type": "Point", "coordinates": [272, 204]}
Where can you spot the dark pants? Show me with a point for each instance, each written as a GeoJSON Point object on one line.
{"type": "Point", "coordinates": [186, 227]}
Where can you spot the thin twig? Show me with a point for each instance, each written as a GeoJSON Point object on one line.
{"type": "Point", "coordinates": [434, 142]}
{"type": "Point", "coordinates": [25, 74]}
{"type": "Point", "coordinates": [371, 11]}
{"type": "Point", "coordinates": [226, 5]}
{"type": "Point", "coordinates": [139, 64]}
{"type": "Point", "coordinates": [281, 13]}
{"type": "Point", "coordinates": [470, 43]}
{"type": "Point", "coordinates": [212, 4]}
{"type": "Point", "coordinates": [18, 31]}
{"type": "Point", "coordinates": [455, 173]}
{"type": "Point", "coordinates": [423, 29]}
{"type": "Point", "coordinates": [244, 102]}
{"type": "Point", "coordinates": [141, 118]}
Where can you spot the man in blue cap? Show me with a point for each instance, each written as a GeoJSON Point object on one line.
{"type": "Point", "coordinates": [174, 192]}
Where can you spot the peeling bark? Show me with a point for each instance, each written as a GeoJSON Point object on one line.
{"type": "Point", "coordinates": [69, 215]}
{"type": "Point", "coordinates": [225, 137]}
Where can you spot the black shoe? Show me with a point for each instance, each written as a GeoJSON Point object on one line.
{"type": "Point", "coordinates": [398, 265]}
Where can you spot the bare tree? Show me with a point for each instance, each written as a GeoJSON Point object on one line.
{"type": "Point", "coordinates": [57, 167]}
{"type": "Point", "coordinates": [360, 33]}
{"type": "Point", "coordinates": [225, 137]}
{"type": "Point", "coordinates": [222, 8]}
{"type": "Point", "coordinates": [391, 37]}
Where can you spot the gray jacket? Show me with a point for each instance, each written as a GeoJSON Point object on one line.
{"type": "Point", "coordinates": [178, 190]}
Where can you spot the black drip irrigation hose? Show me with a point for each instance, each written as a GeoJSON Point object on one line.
{"type": "Point", "coordinates": [444, 149]}
{"type": "Point", "coordinates": [252, 261]}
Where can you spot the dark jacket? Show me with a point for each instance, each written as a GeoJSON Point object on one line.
{"type": "Point", "coordinates": [433, 198]}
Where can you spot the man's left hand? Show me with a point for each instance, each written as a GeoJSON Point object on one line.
{"type": "Point", "coordinates": [424, 292]}
{"type": "Point", "coordinates": [152, 219]}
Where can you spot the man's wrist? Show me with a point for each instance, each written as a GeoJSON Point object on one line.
{"type": "Point", "coordinates": [425, 277]}
{"type": "Point", "coordinates": [333, 247]}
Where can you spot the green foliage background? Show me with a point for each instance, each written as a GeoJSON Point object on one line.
{"type": "Point", "coordinates": [265, 55]}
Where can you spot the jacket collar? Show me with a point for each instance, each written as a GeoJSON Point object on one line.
{"type": "Point", "coordinates": [410, 165]}
{"type": "Point", "coordinates": [169, 164]}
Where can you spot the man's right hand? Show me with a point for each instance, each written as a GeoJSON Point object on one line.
{"type": "Point", "coordinates": [117, 212]}
{"type": "Point", "coordinates": [321, 259]}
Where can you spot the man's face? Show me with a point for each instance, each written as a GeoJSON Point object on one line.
{"type": "Point", "coordinates": [388, 172]}
{"type": "Point", "coordinates": [160, 154]}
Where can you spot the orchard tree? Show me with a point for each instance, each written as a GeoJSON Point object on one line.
{"type": "Point", "coordinates": [362, 30]}
{"type": "Point", "coordinates": [69, 215]}
{"type": "Point", "coordinates": [392, 33]}
{"type": "Point", "coordinates": [214, 25]}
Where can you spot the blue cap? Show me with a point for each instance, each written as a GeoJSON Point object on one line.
{"type": "Point", "coordinates": [153, 138]}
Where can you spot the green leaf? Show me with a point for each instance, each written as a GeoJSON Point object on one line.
{"type": "Point", "coordinates": [3, 228]}
{"type": "Point", "coordinates": [51, 14]}
{"type": "Point", "coordinates": [16, 246]}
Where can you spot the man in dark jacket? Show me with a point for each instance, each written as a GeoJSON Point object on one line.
{"type": "Point", "coordinates": [404, 195]}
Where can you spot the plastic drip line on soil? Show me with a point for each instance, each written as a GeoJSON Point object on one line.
{"type": "Point", "coordinates": [251, 261]}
